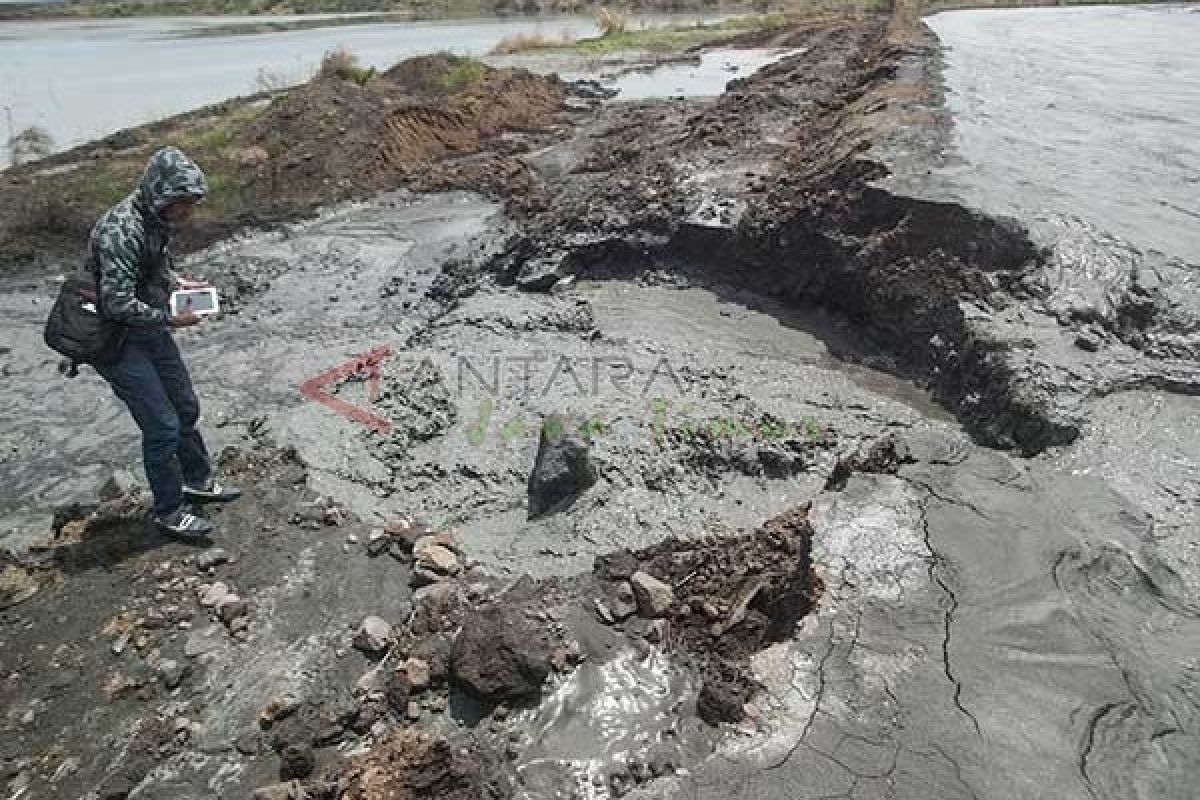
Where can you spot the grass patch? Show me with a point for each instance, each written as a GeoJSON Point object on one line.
{"type": "Point", "coordinates": [525, 42]}
{"type": "Point", "coordinates": [678, 37]}
{"type": "Point", "coordinates": [463, 75]}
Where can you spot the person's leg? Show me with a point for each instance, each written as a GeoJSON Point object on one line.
{"type": "Point", "coordinates": [193, 456]}
{"type": "Point", "coordinates": [135, 380]}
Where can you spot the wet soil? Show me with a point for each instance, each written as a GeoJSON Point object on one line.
{"type": "Point", "coordinates": [853, 524]}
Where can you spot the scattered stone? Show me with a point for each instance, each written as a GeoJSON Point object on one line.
{"type": "Point", "coordinates": [1087, 342]}
{"type": "Point", "coordinates": [618, 566]}
{"type": "Point", "coordinates": [604, 612]}
{"type": "Point", "coordinates": [276, 710]}
{"type": "Point", "coordinates": [295, 762]}
{"type": "Point", "coordinates": [212, 596]}
{"type": "Point", "coordinates": [437, 559]}
{"type": "Point", "coordinates": [211, 558]}
{"type": "Point", "coordinates": [171, 673]}
{"type": "Point", "coordinates": [231, 608]}
{"type": "Point", "coordinates": [563, 469]}
{"type": "Point", "coordinates": [418, 673]}
{"type": "Point", "coordinates": [540, 274]}
{"type": "Point", "coordinates": [377, 543]}
{"type": "Point", "coordinates": [500, 654]}
{"type": "Point", "coordinates": [405, 531]}
{"type": "Point", "coordinates": [623, 603]}
{"type": "Point", "coordinates": [414, 711]}
{"type": "Point", "coordinates": [654, 598]}
{"type": "Point", "coordinates": [374, 635]}
{"type": "Point", "coordinates": [658, 631]}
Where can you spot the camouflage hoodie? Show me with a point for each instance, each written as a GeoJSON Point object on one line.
{"type": "Point", "coordinates": [128, 246]}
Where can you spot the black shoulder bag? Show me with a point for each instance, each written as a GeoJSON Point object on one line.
{"type": "Point", "coordinates": [78, 329]}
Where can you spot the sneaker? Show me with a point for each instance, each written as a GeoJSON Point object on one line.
{"type": "Point", "coordinates": [183, 524]}
{"type": "Point", "coordinates": [214, 493]}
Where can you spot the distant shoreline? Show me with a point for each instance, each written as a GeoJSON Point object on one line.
{"type": "Point", "coordinates": [374, 11]}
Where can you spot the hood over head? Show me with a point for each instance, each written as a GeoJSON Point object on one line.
{"type": "Point", "coordinates": [171, 176]}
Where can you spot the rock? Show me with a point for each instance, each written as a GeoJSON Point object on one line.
{"type": "Point", "coordinates": [232, 607]}
{"type": "Point", "coordinates": [435, 651]}
{"type": "Point", "coordinates": [405, 531]}
{"type": "Point", "coordinates": [120, 483]}
{"type": "Point", "coordinates": [377, 543]}
{"type": "Point", "coordinates": [540, 274]}
{"type": "Point", "coordinates": [654, 598]}
{"type": "Point", "coordinates": [437, 559]}
{"type": "Point", "coordinates": [563, 469]}
{"type": "Point", "coordinates": [657, 631]}
{"type": "Point", "coordinates": [373, 635]}
{"type": "Point", "coordinates": [618, 566]}
{"type": "Point", "coordinates": [171, 673]}
{"type": "Point", "coordinates": [1087, 342]}
{"type": "Point", "coordinates": [296, 761]}
{"type": "Point", "coordinates": [604, 612]}
{"type": "Point", "coordinates": [398, 689]}
{"type": "Point", "coordinates": [279, 708]}
{"type": "Point", "coordinates": [213, 557]}
{"type": "Point", "coordinates": [414, 711]}
{"type": "Point", "coordinates": [500, 654]}
{"type": "Point", "coordinates": [623, 603]}
{"type": "Point", "coordinates": [214, 594]}
{"type": "Point", "coordinates": [419, 675]}
{"type": "Point", "coordinates": [16, 586]}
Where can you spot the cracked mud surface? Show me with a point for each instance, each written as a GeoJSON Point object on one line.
{"type": "Point", "coordinates": [904, 537]}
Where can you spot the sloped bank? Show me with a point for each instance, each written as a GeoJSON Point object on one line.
{"type": "Point", "coordinates": [803, 182]}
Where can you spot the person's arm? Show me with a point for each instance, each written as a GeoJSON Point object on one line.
{"type": "Point", "coordinates": [117, 257]}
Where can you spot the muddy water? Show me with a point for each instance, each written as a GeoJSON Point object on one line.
{"type": "Point", "coordinates": [606, 718]}
{"type": "Point", "coordinates": [84, 80]}
{"type": "Point", "coordinates": [707, 78]}
{"type": "Point", "coordinates": [1088, 113]}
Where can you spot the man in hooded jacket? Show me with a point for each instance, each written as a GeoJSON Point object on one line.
{"type": "Point", "coordinates": [128, 253]}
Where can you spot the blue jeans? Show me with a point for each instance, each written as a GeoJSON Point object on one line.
{"type": "Point", "coordinates": [151, 379]}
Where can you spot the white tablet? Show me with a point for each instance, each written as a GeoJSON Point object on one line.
{"type": "Point", "coordinates": [200, 302]}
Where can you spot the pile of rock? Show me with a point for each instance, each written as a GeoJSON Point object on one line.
{"type": "Point", "coordinates": [227, 606]}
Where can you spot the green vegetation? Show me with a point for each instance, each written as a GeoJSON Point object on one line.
{"type": "Point", "coordinates": [678, 38]}
{"type": "Point", "coordinates": [463, 75]}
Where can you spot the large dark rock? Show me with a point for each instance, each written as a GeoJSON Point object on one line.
{"type": "Point", "coordinates": [563, 469]}
{"type": "Point", "coordinates": [501, 654]}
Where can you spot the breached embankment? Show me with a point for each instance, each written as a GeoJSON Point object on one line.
{"type": "Point", "coordinates": [864, 600]}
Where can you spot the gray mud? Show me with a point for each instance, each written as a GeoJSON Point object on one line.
{"type": "Point", "coordinates": [990, 449]}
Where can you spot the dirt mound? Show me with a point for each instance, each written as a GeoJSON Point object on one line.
{"type": "Point", "coordinates": [335, 137]}
{"type": "Point", "coordinates": [409, 765]}
{"type": "Point", "coordinates": [734, 596]}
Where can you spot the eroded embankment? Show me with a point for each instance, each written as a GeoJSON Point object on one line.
{"type": "Point", "coordinates": [779, 188]}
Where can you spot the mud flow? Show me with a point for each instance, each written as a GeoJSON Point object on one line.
{"type": "Point", "coordinates": [710, 440]}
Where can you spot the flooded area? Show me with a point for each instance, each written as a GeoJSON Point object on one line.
{"type": "Point", "coordinates": [83, 80]}
{"type": "Point", "coordinates": [1085, 113]}
{"type": "Point", "coordinates": [707, 78]}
